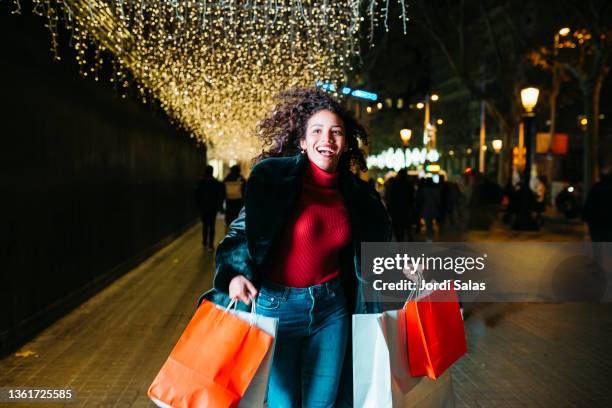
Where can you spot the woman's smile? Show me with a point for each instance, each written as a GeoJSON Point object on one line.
{"type": "Point", "coordinates": [327, 150]}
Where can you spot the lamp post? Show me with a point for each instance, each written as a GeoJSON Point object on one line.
{"type": "Point", "coordinates": [497, 145]}
{"type": "Point", "coordinates": [429, 137]}
{"type": "Point", "coordinates": [524, 220]}
{"type": "Point", "coordinates": [405, 135]}
{"type": "Point", "coordinates": [554, 93]}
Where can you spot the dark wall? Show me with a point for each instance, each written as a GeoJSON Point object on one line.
{"type": "Point", "coordinates": [91, 183]}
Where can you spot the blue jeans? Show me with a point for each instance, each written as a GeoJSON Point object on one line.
{"type": "Point", "coordinates": [313, 330]}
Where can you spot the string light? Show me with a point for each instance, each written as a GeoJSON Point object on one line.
{"type": "Point", "coordinates": [213, 66]}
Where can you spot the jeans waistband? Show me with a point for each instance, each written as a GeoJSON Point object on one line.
{"type": "Point", "coordinates": [285, 292]}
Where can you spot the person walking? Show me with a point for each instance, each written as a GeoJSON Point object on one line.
{"type": "Point", "coordinates": [209, 197]}
{"type": "Point", "coordinates": [235, 186]}
{"type": "Point", "coordinates": [429, 204]}
{"type": "Point", "coordinates": [400, 202]}
{"type": "Point", "coordinates": [295, 247]}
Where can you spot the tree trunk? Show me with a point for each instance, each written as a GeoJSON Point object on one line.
{"type": "Point", "coordinates": [597, 154]}
{"type": "Point", "coordinates": [587, 140]}
{"type": "Point", "coordinates": [505, 168]}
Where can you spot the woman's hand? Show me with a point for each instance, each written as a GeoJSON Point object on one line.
{"type": "Point", "coordinates": [242, 289]}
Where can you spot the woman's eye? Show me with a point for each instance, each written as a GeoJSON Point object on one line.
{"type": "Point", "coordinates": [316, 131]}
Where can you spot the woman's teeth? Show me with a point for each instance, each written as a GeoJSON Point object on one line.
{"type": "Point", "coordinates": [325, 151]}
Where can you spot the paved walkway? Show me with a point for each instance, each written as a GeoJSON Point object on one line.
{"type": "Point", "coordinates": [110, 348]}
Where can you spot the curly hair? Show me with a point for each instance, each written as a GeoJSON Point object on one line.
{"type": "Point", "coordinates": [283, 128]}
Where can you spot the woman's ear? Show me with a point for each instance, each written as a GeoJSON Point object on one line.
{"type": "Point", "coordinates": [303, 144]}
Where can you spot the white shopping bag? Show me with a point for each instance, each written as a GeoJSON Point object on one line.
{"type": "Point", "coordinates": [255, 395]}
{"type": "Point", "coordinates": [381, 376]}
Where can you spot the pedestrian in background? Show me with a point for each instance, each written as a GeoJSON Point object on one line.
{"type": "Point", "coordinates": [540, 198]}
{"type": "Point", "coordinates": [429, 203]}
{"type": "Point", "coordinates": [235, 186]}
{"type": "Point", "coordinates": [399, 197]}
{"type": "Point", "coordinates": [209, 198]}
{"type": "Point", "coordinates": [295, 247]}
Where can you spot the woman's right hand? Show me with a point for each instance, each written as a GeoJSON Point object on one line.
{"type": "Point", "coordinates": [242, 289]}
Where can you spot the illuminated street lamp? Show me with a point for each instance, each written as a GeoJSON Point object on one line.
{"type": "Point", "coordinates": [420, 105]}
{"type": "Point", "coordinates": [529, 98]}
{"type": "Point", "coordinates": [497, 145]}
{"type": "Point", "coordinates": [440, 121]}
{"type": "Point", "coordinates": [524, 220]}
{"type": "Point", "coordinates": [434, 97]}
{"type": "Point", "coordinates": [405, 135]}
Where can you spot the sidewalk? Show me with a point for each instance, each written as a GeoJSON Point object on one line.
{"type": "Point", "coordinates": [110, 348]}
{"type": "Point", "coordinates": [535, 355]}
{"type": "Point", "coordinates": [555, 228]}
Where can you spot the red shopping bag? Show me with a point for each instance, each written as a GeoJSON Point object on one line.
{"type": "Point", "coordinates": [436, 337]}
{"type": "Point", "coordinates": [213, 362]}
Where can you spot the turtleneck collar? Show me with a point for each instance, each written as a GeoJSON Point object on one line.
{"type": "Point", "coordinates": [321, 177]}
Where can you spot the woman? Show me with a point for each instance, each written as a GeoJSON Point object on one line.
{"type": "Point", "coordinates": [295, 247]}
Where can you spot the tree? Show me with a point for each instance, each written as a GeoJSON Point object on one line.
{"type": "Point", "coordinates": [486, 43]}
{"type": "Point", "coordinates": [584, 55]}
{"type": "Point", "coordinates": [588, 61]}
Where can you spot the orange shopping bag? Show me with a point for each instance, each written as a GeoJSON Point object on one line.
{"type": "Point", "coordinates": [213, 362]}
{"type": "Point", "coordinates": [436, 337]}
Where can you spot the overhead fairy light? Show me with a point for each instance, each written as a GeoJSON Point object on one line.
{"type": "Point", "coordinates": [214, 66]}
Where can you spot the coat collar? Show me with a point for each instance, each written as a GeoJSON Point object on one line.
{"type": "Point", "coordinates": [273, 189]}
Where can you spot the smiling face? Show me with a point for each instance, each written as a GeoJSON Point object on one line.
{"type": "Point", "coordinates": [324, 141]}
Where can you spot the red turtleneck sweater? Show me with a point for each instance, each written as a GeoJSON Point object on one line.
{"type": "Point", "coordinates": [308, 251]}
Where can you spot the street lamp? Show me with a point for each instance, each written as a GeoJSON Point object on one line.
{"type": "Point", "coordinates": [429, 133]}
{"type": "Point", "coordinates": [524, 220]}
{"type": "Point", "coordinates": [497, 145]}
{"type": "Point", "coordinates": [529, 98]}
{"type": "Point", "coordinates": [405, 135]}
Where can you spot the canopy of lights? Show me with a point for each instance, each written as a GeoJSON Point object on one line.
{"type": "Point", "coordinates": [214, 66]}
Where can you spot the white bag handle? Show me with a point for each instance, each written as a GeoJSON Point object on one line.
{"type": "Point", "coordinates": [415, 294]}
{"type": "Point", "coordinates": [233, 304]}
